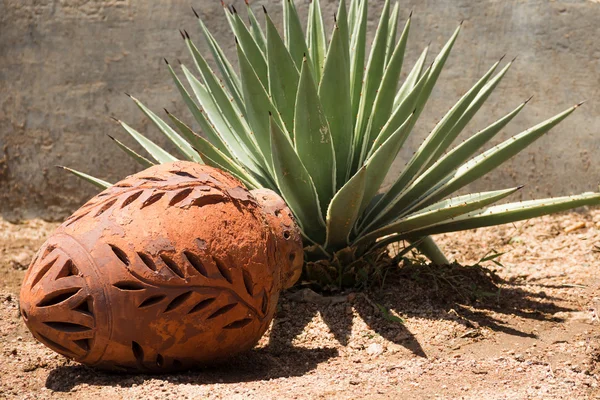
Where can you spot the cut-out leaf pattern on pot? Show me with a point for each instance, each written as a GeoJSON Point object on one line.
{"type": "Point", "coordinates": [182, 264]}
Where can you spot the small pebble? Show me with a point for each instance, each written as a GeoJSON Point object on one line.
{"type": "Point", "coordinates": [375, 349]}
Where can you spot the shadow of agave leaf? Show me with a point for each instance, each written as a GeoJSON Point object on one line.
{"type": "Point", "coordinates": [379, 318]}
{"type": "Point", "coordinates": [256, 365]}
{"type": "Point", "coordinates": [339, 321]}
{"type": "Point", "coordinates": [473, 296]}
{"type": "Point", "coordinates": [338, 316]}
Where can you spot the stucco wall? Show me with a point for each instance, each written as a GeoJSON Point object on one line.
{"type": "Point", "coordinates": [64, 65]}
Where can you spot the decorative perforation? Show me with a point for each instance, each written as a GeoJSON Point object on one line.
{"type": "Point", "coordinates": [183, 189]}
{"type": "Point", "coordinates": [61, 310]}
{"type": "Point", "coordinates": [203, 285]}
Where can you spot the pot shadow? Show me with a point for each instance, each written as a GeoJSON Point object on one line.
{"type": "Point", "coordinates": [255, 365]}
{"type": "Point", "coordinates": [470, 295]}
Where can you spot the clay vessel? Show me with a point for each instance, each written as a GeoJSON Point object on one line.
{"type": "Point", "coordinates": [176, 266]}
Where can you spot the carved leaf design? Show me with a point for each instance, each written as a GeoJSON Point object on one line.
{"type": "Point", "coordinates": [60, 305]}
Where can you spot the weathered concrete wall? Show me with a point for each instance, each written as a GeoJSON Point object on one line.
{"type": "Point", "coordinates": [64, 65]}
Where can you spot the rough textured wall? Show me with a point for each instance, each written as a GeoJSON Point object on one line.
{"type": "Point", "coordinates": [64, 65]}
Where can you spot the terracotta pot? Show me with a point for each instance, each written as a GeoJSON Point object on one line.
{"type": "Point", "coordinates": [176, 266]}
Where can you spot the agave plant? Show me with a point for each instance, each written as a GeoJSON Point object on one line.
{"type": "Point", "coordinates": [320, 120]}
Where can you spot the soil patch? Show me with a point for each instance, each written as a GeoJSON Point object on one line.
{"type": "Point", "coordinates": [530, 330]}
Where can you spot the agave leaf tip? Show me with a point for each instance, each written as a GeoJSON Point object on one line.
{"type": "Point", "coordinates": [264, 9]}
{"type": "Point", "coordinates": [580, 104]}
{"type": "Point", "coordinates": [528, 100]}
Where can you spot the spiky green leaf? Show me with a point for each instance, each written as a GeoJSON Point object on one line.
{"type": "Point", "coordinates": [512, 212]}
{"type": "Point", "coordinates": [152, 148]}
{"type": "Point", "coordinates": [372, 81]}
{"type": "Point", "coordinates": [88, 178]}
{"type": "Point", "coordinates": [315, 37]}
{"type": "Point", "coordinates": [344, 210]}
{"type": "Point", "coordinates": [294, 36]}
{"type": "Point", "coordinates": [296, 185]}
{"type": "Point", "coordinates": [283, 75]}
{"type": "Point", "coordinates": [312, 137]}
{"type": "Point", "coordinates": [143, 161]}
{"type": "Point", "coordinates": [439, 212]}
{"type": "Point", "coordinates": [180, 143]}
{"type": "Point", "coordinates": [256, 30]}
{"type": "Point", "coordinates": [227, 71]}
{"type": "Point", "coordinates": [334, 93]}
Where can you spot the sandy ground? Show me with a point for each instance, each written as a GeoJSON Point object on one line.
{"type": "Point", "coordinates": [535, 336]}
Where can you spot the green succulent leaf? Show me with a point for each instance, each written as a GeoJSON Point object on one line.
{"type": "Point", "coordinates": [220, 124]}
{"type": "Point", "coordinates": [222, 104]}
{"type": "Point", "coordinates": [358, 50]}
{"type": "Point", "coordinates": [294, 36]}
{"type": "Point", "coordinates": [415, 74]}
{"type": "Point", "coordinates": [380, 162]}
{"type": "Point", "coordinates": [353, 14]}
{"type": "Point", "coordinates": [491, 159]}
{"type": "Point", "coordinates": [442, 211]}
{"type": "Point", "coordinates": [435, 138]}
{"type": "Point", "coordinates": [467, 115]}
{"type": "Point", "coordinates": [383, 104]}
{"type": "Point", "coordinates": [256, 30]}
{"type": "Point", "coordinates": [182, 145]}
{"type": "Point", "coordinates": [401, 113]}
{"type": "Point", "coordinates": [283, 75]}
{"type": "Point", "coordinates": [392, 31]}
{"type": "Point", "coordinates": [258, 107]}
{"type": "Point", "coordinates": [334, 93]}
{"type": "Point", "coordinates": [312, 137]}
{"type": "Point", "coordinates": [373, 77]}
{"type": "Point", "coordinates": [227, 71]}
{"type": "Point", "coordinates": [251, 49]}
{"type": "Point", "coordinates": [88, 178]}
{"type": "Point", "coordinates": [143, 161]}
{"type": "Point", "coordinates": [344, 210]}
{"type": "Point", "coordinates": [213, 156]}
{"type": "Point", "coordinates": [296, 185]}
{"type": "Point", "coordinates": [199, 116]}
{"type": "Point", "coordinates": [152, 148]}
{"type": "Point", "coordinates": [512, 212]}
{"type": "Point", "coordinates": [434, 177]}
{"type": "Point", "coordinates": [341, 23]}
{"type": "Point", "coordinates": [315, 38]}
